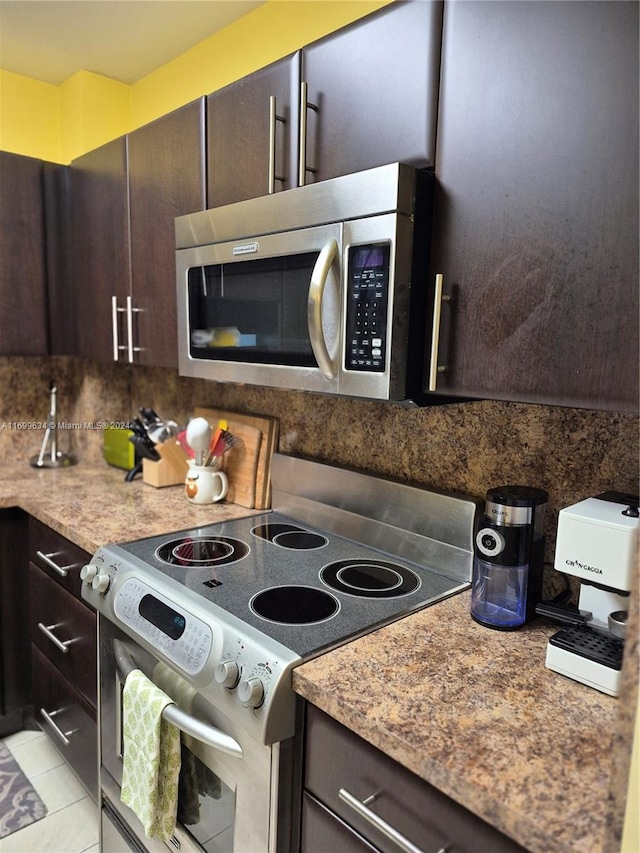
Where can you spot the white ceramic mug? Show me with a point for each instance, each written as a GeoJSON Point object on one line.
{"type": "Point", "coordinates": [205, 485]}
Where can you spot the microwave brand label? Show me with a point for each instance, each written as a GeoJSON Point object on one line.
{"type": "Point", "coordinates": [246, 249]}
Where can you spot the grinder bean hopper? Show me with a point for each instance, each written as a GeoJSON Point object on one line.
{"type": "Point", "coordinates": [597, 542]}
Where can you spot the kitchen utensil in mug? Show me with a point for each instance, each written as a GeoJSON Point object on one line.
{"type": "Point", "coordinates": [205, 485]}
{"type": "Point", "coordinates": [199, 438]}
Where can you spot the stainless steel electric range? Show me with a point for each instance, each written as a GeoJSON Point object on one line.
{"type": "Point", "coordinates": [222, 613]}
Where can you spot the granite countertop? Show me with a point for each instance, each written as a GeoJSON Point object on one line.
{"type": "Point", "coordinates": [475, 712]}
{"type": "Point", "coordinates": [472, 711]}
{"type": "Point", "coordinates": [92, 505]}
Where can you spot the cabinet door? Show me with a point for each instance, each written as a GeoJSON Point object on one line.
{"type": "Point", "coordinates": [67, 719]}
{"type": "Point", "coordinates": [375, 87]}
{"type": "Point", "coordinates": [23, 319]}
{"type": "Point", "coordinates": [166, 179]}
{"type": "Point", "coordinates": [240, 134]}
{"type": "Point", "coordinates": [536, 210]}
{"type": "Point", "coordinates": [15, 676]}
{"type": "Point", "coordinates": [64, 629]}
{"type": "Point", "coordinates": [343, 772]}
{"type": "Point", "coordinates": [99, 247]}
{"type": "Point", "coordinates": [59, 243]}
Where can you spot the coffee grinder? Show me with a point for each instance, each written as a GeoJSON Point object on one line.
{"type": "Point", "coordinates": [597, 543]}
{"type": "Point", "coordinates": [509, 557]}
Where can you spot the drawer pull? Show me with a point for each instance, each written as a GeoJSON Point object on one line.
{"type": "Point", "coordinates": [63, 571]}
{"type": "Point", "coordinates": [377, 822]}
{"type": "Point", "coordinates": [47, 630]}
{"type": "Point", "coordinates": [55, 728]}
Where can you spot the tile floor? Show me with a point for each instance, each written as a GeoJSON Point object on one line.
{"type": "Point", "coordinates": [71, 822]}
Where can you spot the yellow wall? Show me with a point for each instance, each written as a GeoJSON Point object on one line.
{"type": "Point", "coordinates": [59, 123]}
{"type": "Point", "coordinates": [29, 117]}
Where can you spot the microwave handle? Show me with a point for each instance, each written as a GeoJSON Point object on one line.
{"type": "Point", "coordinates": [172, 714]}
{"type": "Point", "coordinates": [319, 278]}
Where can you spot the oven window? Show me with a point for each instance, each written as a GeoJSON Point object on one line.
{"type": "Point", "coordinates": [252, 310]}
{"type": "Point", "coordinates": [206, 806]}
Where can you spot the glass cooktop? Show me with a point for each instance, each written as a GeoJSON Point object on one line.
{"type": "Point", "coordinates": [307, 589]}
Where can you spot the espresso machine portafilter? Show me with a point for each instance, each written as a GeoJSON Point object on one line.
{"type": "Point", "coordinates": [508, 557]}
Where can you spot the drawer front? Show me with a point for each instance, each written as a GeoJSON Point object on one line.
{"type": "Point", "coordinates": [55, 615]}
{"type": "Point", "coordinates": [323, 831]}
{"type": "Point", "coordinates": [336, 759]}
{"type": "Point", "coordinates": [60, 558]}
{"type": "Point", "coordinates": [67, 719]}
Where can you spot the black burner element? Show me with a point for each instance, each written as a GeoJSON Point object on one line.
{"type": "Point", "coordinates": [202, 551]}
{"type": "Point", "coordinates": [290, 536]}
{"type": "Point", "coordinates": [373, 579]}
{"type": "Point", "coordinates": [294, 605]}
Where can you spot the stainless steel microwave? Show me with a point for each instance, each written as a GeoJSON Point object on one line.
{"type": "Point", "coordinates": [319, 288]}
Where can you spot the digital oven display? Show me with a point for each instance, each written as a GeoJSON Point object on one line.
{"type": "Point", "coordinates": [169, 621]}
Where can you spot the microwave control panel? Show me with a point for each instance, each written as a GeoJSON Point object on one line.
{"type": "Point", "coordinates": [367, 302]}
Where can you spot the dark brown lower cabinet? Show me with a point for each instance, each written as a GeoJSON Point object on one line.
{"type": "Point", "coordinates": [341, 769]}
{"type": "Point", "coordinates": [15, 676]}
{"type": "Point", "coordinates": [67, 718]}
{"type": "Point", "coordinates": [63, 651]}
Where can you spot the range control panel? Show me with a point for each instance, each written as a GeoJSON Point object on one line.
{"type": "Point", "coordinates": [367, 302]}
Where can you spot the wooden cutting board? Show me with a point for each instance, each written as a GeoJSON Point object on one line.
{"type": "Point", "coordinates": [269, 429]}
{"type": "Point", "coordinates": [239, 463]}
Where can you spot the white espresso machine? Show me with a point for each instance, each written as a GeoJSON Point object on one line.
{"type": "Point", "coordinates": [597, 542]}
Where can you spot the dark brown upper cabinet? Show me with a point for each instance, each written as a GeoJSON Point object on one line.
{"type": "Point", "coordinates": [98, 247]}
{"type": "Point", "coordinates": [371, 92]}
{"type": "Point", "coordinates": [252, 134]}
{"type": "Point", "coordinates": [125, 196]}
{"type": "Point", "coordinates": [359, 98]}
{"type": "Point", "coordinates": [23, 282]}
{"type": "Point", "coordinates": [166, 179]}
{"type": "Point", "coordinates": [536, 208]}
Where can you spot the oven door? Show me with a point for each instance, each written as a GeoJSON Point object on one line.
{"type": "Point", "coordinates": [266, 311]}
{"type": "Point", "coordinates": [229, 783]}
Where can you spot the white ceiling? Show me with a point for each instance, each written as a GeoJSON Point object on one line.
{"type": "Point", "coordinates": [49, 40]}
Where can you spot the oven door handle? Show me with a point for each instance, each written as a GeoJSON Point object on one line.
{"type": "Point", "coordinates": [188, 724]}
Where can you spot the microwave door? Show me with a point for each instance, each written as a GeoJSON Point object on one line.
{"type": "Point", "coordinates": [264, 311]}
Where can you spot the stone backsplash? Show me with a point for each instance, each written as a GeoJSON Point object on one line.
{"type": "Point", "coordinates": [467, 447]}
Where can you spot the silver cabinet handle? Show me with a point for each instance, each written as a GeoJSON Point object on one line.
{"type": "Point", "coordinates": [434, 367]}
{"type": "Point", "coordinates": [273, 119]}
{"type": "Point", "coordinates": [314, 308]}
{"type": "Point", "coordinates": [380, 824]}
{"type": "Point", "coordinates": [47, 630]}
{"type": "Point", "coordinates": [48, 717]}
{"type": "Point", "coordinates": [63, 571]}
{"type": "Point", "coordinates": [302, 147]}
{"type": "Point", "coordinates": [117, 346]}
{"type": "Point", "coordinates": [188, 724]}
{"type": "Point", "coordinates": [130, 312]}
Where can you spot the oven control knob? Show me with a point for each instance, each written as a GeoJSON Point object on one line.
{"type": "Point", "coordinates": [227, 673]}
{"type": "Point", "coordinates": [101, 582]}
{"type": "Point", "coordinates": [251, 692]}
{"type": "Point", "coordinates": [88, 573]}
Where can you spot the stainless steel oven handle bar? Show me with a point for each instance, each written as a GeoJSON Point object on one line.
{"type": "Point", "coordinates": [319, 278]}
{"type": "Point", "coordinates": [172, 714]}
{"type": "Point", "coordinates": [385, 828]}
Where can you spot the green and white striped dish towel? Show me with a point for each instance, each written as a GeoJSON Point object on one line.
{"type": "Point", "coordinates": [151, 756]}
